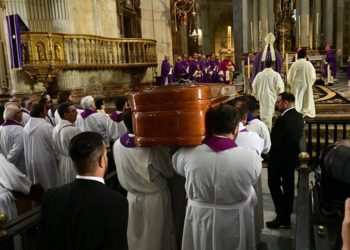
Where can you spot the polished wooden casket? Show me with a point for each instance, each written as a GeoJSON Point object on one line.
{"type": "Point", "coordinates": [175, 114]}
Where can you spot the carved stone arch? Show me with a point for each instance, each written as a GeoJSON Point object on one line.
{"type": "Point", "coordinates": [129, 18]}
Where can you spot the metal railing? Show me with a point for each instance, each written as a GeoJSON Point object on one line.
{"type": "Point", "coordinates": [320, 133]}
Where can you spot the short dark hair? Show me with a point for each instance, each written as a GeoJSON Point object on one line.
{"type": "Point", "coordinates": [85, 149]}
{"type": "Point", "coordinates": [37, 110]}
{"type": "Point", "coordinates": [302, 53]}
{"type": "Point", "coordinates": [63, 108]}
{"type": "Point", "coordinates": [250, 100]}
{"type": "Point", "coordinates": [24, 100]}
{"type": "Point", "coordinates": [225, 119]}
{"type": "Point", "coordinates": [287, 96]}
{"type": "Point", "coordinates": [98, 103]}
{"type": "Point", "coordinates": [127, 118]}
{"type": "Point", "coordinates": [269, 63]}
{"type": "Point", "coordinates": [63, 96]}
{"type": "Point", "coordinates": [241, 105]}
{"type": "Point", "coordinates": [120, 102]}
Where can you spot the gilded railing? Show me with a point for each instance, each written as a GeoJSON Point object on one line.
{"type": "Point", "coordinates": [46, 54]}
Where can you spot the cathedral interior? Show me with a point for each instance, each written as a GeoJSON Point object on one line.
{"type": "Point", "coordinates": [112, 48]}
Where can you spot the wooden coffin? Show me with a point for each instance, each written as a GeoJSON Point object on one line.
{"type": "Point", "coordinates": [175, 114]}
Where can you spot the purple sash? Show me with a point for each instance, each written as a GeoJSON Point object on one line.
{"type": "Point", "coordinates": [218, 144]}
{"type": "Point", "coordinates": [117, 117]}
{"type": "Point", "coordinates": [127, 141]}
{"type": "Point", "coordinates": [87, 112]}
{"type": "Point", "coordinates": [11, 122]}
{"type": "Point", "coordinates": [250, 117]}
{"type": "Point", "coordinates": [244, 130]}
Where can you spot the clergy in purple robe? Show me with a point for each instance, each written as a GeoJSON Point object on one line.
{"type": "Point", "coordinates": [331, 60]}
{"type": "Point", "coordinates": [166, 71]}
{"type": "Point", "coordinates": [268, 53]}
{"type": "Point", "coordinates": [180, 70]}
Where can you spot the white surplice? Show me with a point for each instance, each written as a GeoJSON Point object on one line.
{"type": "Point", "coordinates": [301, 77]}
{"type": "Point", "coordinates": [11, 179]}
{"type": "Point", "coordinates": [261, 129]}
{"type": "Point", "coordinates": [62, 134]}
{"type": "Point", "coordinates": [219, 186]}
{"type": "Point", "coordinates": [11, 145]}
{"type": "Point", "coordinates": [99, 123]}
{"type": "Point", "coordinates": [266, 86]}
{"type": "Point", "coordinates": [249, 139]}
{"type": "Point", "coordinates": [25, 116]}
{"type": "Point", "coordinates": [39, 153]}
{"type": "Point", "coordinates": [142, 171]}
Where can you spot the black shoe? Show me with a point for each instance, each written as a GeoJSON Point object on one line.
{"type": "Point", "coordinates": [277, 224]}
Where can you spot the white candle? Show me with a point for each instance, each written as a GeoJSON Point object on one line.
{"type": "Point", "coordinates": [251, 32]}
{"type": "Point", "coordinates": [287, 63]}
{"type": "Point", "coordinates": [291, 5]}
{"type": "Point", "coordinates": [328, 73]}
{"type": "Point", "coordinates": [259, 26]}
{"type": "Point", "coordinates": [229, 37]}
{"type": "Point", "coordinates": [267, 26]}
{"type": "Point", "coordinates": [307, 25]}
{"type": "Point", "coordinates": [317, 24]}
{"type": "Point", "coordinates": [299, 26]}
{"type": "Point", "coordinates": [248, 67]}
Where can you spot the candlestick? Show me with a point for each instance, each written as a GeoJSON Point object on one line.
{"type": "Point", "coordinates": [307, 24]}
{"type": "Point", "coordinates": [328, 73]}
{"type": "Point", "coordinates": [251, 32]}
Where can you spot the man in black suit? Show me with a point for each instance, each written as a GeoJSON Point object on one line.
{"type": "Point", "coordinates": [285, 138]}
{"type": "Point", "coordinates": [84, 214]}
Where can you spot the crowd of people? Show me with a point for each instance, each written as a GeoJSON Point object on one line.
{"type": "Point", "coordinates": [203, 197]}
{"type": "Point", "coordinates": [199, 68]}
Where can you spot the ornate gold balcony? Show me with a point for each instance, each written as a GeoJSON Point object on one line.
{"type": "Point", "coordinates": [45, 55]}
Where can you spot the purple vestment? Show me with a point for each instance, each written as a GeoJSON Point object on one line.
{"type": "Point", "coordinates": [165, 70]}
{"type": "Point", "coordinates": [180, 71]}
{"type": "Point", "coordinates": [259, 66]}
{"type": "Point", "coordinates": [331, 60]}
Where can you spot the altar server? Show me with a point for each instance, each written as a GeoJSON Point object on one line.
{"type": "Point", "coordinates": [11, 137]}
{"type": "Point", "coordinates": [301, 77]}
{"type": "Point", "coordinates": [219, 183]}
{"type": "Point", "coordinates": [26, 106]}
{"type": "Point", "coordinates": [62, 134]}
{"type": "Point", "coordinates": [39, 154]}
{"type": "Point", "coordinates": [266, 86]}
{"type": "Point", "coordinates": [143, 172]}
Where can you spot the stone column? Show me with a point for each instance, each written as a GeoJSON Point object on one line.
{"type": "Point", "coordinates": [339, 30]}
{"type": "Point", "coordinates": [327, 22]}
{"type": "Point", "coordinates": [60, 18]}
{"type": "Point", "coordinates": [238, 28]}
{"type": "Point", "coordinates": [3, 55]}
{"type": "Point", "coordinates": [204, 26]}
{"type": "Point", "coordinates": [263, 11]}
{"type": "Point", "coordinates": [305, 24]}
{"type": "Point", "coordinates": [271, 16]}
{"type": "Point", "coordinates": [317, 10]}
{"type": "Point", "coordinates": [255, 21]}
{"type": "Point", "coordinates": [17, 7]}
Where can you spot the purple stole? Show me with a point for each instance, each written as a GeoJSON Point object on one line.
{"type": "Point", "coordinates": [250, 117]}
{"type": "Point", "coordinates": [128, 141]}
{"type": "Point", "coordinates": [24, 111]}
{"type": "Point", "coordinates": [179, 71]}
{"type": "Point", "coordinates": [11, 122]}
{"type": "Point", "coordinates": [218, 144]}
{"type": "Point", "coordinates": [87, 112]}
{"type": "Point", "coordinates": [117, 117]}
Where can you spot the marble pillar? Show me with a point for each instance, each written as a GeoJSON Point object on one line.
{"type": "Point", "coordinates": [204, 16]}
{"type": "Point", "coordinates": [317, 26]}
{"type": "Point", "coordinates": [238, 28]}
